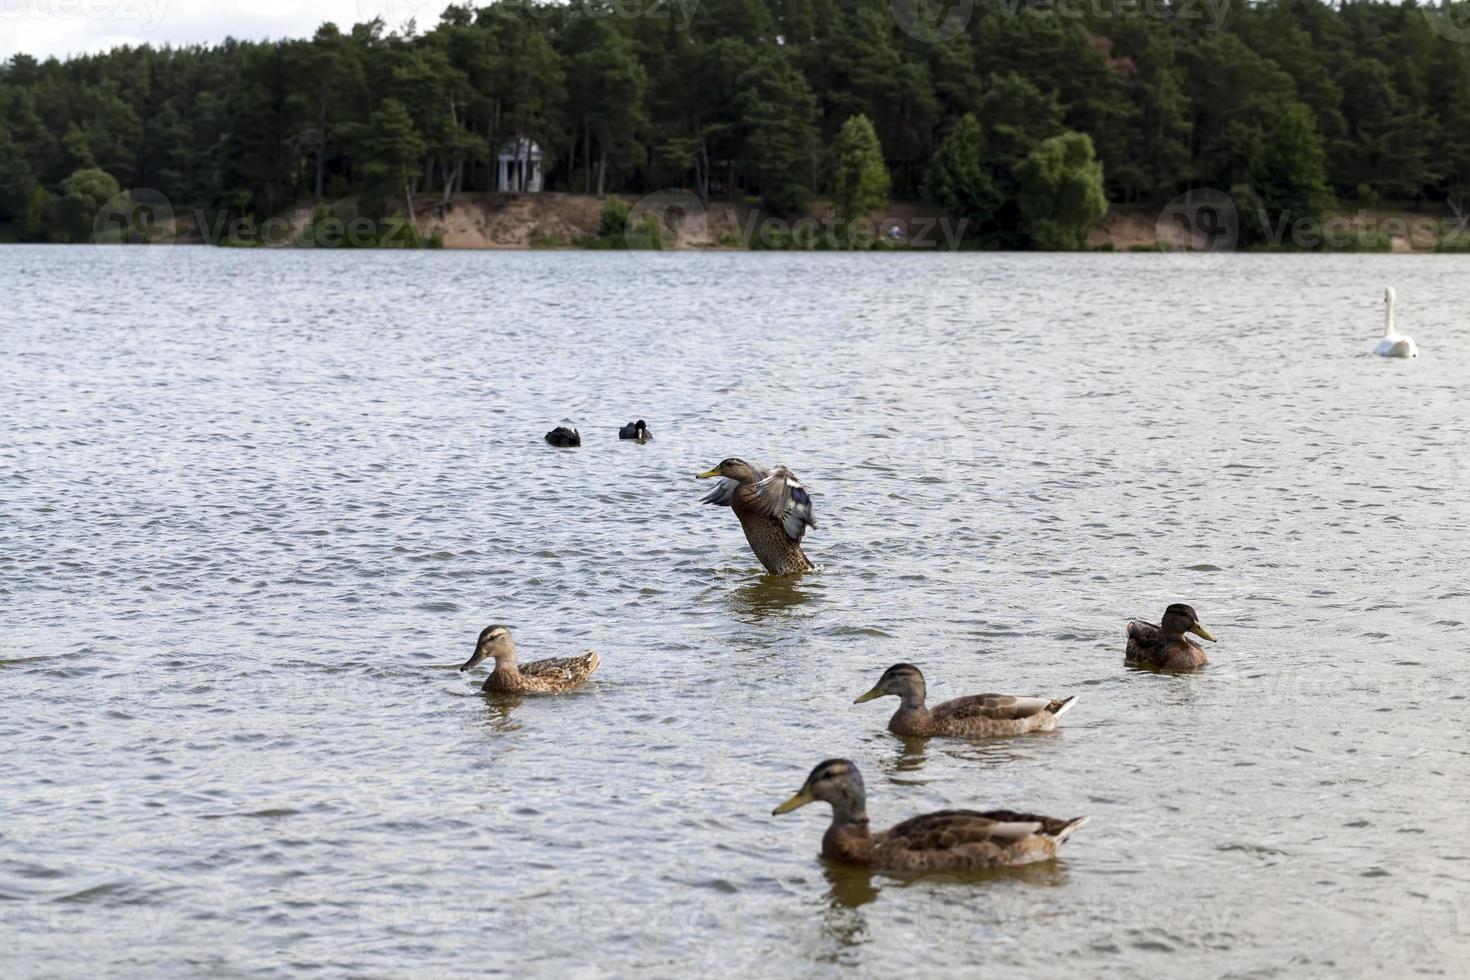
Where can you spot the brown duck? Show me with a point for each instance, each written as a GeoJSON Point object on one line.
{"type": "Point", "coordinates": [977, 716]}
{"type": "Point", "coordinates": [1165, 647]}
{"type": "Point", "coordinates": [950, 840]}
{"type": "Point", "coordinates": [537, 677]}
{"type": "Point", "coordinates": [774, 510]}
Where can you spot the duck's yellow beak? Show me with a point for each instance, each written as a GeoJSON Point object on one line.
{"type": "Point", "coordinates": [708, 473]}
{"type": "Point", "coordinates": [802, 798]}
{"type": "Point", "coordinates": [874, 693]}
{"type": "Point", "coordinates": [1199, 630]}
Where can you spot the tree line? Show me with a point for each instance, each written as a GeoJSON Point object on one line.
{"type": "Point", "coordinates": [1025, 117]}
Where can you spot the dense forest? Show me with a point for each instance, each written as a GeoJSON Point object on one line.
{"type": "Point", "coordinates": [1292, 105]}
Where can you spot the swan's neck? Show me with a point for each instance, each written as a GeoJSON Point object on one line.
{"type": "Point", "coordinates": [1388, 330]}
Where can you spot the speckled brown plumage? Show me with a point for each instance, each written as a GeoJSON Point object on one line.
{"type": "Point", "coordinates": [963, 840]}
{"type": "Point", "coordinates": [779, 554]}
{"type": "Point", "coordinates": [541, 676]}
{"type": "Point", "coordinates": [949, 840]}
{"type": "Point", "coordinates": [554, 676]}
{"type": "Point", "coordinates": [977, 716]}
{"type": "Point", "coordinates": [1165, 647]}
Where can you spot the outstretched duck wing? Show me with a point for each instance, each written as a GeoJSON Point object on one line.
{"type": "Point", "coordinates": [723, 495]}
{"type": "Point", "coordinates": [782, 496]}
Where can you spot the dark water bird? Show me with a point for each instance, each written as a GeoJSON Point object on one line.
{"type": "Point", "coordinates": [774, 510]}
{"type": "Point", "coordinates": [977, 716]}
{"type": "Point", "coordinates": [564, 437]}
{"type": "Point", "coordinates": [950, 840]}
{"type": "Point", "coordinates": [1165, 647]}
{"type": "Point", "coordinates": [635, 430]}
{"type": "Point", "coordinates": [538, 677]}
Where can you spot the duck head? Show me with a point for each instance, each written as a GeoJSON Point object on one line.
{"type": "Point", "coordinates": [903, 681]}
{"type": "Point", "coordinates": [1180, 619]}
{"type": "Point", "coordinates": [836, 782]}
{"type": "Point", "coordinates": [733, 468]}
{"type": "Point", "coordinates": [494, 642]}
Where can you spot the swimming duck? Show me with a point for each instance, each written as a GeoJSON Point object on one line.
{"type": "Point", "coordinates": [564, 437]}
{"type": "Point", "coordinates": [774, 510]}
{"type": "Point", "coordinates": [950, 840]}
{"type": "Point", "coordinates": [977, 716]}
{"type": "Point", "coordinates": [635, 430]}
{"type": "Point", "coordinates": [1164, 647]}
{"type": "Point", "coordinates": [538, 677]}
{"type": "Point", "coordinates": [1393, 343]}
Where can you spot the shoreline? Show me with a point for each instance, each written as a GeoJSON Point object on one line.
{"type": "Point", "coordinates": [554, 221]}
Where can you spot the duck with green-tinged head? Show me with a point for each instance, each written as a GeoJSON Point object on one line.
{"type": "Point", "coordinates": [949, 840]}
{"type": "Point", "coordinates": [774, 509]}
{"type": "Point", "coordinates": [976, 716]}
{"type": "Point", "coordinates": [554, 676]}
{"type": "Point", "coordinates": [1165, 647]}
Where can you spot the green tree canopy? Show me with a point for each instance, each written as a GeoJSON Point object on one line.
{"type": "Point", "coordinates": [959, 178]}
{"type": "Point", "coordinates": [735, 99]}
{"type": "Point", "coordinates": [859, 178]}
{"type": "Point", "coordinates": [777, 130]}
{"type": "Point", "coordinates": [83, 195]}
{"type": "Point", "coordinates": [1061, 194]}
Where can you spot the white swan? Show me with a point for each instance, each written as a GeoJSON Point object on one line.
{"type": "Point", "coordinates": [1393, 344]}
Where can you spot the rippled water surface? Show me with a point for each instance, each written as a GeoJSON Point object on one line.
{"type": "Point", "coordinates": [256, 506]}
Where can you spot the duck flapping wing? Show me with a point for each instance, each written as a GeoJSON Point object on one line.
{"type": "Point", "coordinates": [723, 495]}
{"type": "Point", "coordinates": [781, 496]}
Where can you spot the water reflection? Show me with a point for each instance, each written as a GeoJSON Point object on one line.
{"type": "Point", "coordinates": [1007, 750]}
{"type": "Point", "coordinates": [769, 597]}
{"type": "Point", "coordinates": [911, 754]}
{"type": "Point", "coordinates": [1045, 873]}
{"type": "Point", "coordinates": [850, 886]}
{"type": "Point", "coordinates": [498, 710]}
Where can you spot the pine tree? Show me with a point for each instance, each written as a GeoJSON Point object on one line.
{"type": "Point", "coordinates": [959, 178]}
{"type": "Point", "coordinates": [859, 178]}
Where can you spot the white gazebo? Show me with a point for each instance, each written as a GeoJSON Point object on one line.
{"type": "Point", "coordinates": [520, 166]}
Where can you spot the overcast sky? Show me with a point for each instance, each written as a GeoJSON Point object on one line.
{"type": "Point", "coordinates": [62, 27]}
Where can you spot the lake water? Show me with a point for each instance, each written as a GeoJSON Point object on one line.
{"type": "Point", "coordinates": [256, 506]}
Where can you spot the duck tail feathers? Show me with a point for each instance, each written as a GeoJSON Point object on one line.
{"type": "Point", "coordinates": [1070, 827]}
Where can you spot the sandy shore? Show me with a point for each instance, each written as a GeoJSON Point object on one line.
{"type": "Point", "coordinates": [556, 220]}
